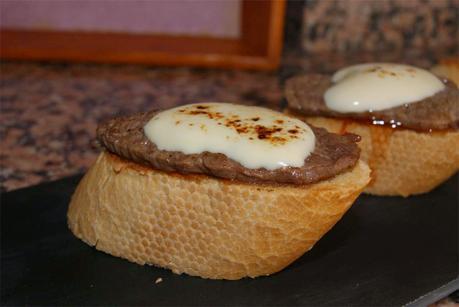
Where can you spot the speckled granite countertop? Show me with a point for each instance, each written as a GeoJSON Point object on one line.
{"type": "Point", "coordinates": [49, 112]}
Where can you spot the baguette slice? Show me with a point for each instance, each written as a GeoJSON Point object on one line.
{"type": "Point", "coordinates": [205, 226]}
{"type": "Point", "coordinates": [403, 162]}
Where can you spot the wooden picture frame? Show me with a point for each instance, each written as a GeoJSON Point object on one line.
{"type": "Point", "coordinates": [258, 47]}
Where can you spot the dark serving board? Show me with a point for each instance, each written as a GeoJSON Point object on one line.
{"type": "Point", "coordinates": [385, 251]}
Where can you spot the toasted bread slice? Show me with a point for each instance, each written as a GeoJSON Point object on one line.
{"type": "Point", "coordinates": [205, 226]}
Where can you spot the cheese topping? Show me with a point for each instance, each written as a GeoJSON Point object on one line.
{"type": "Point", "coordinates": [253, 136]}
{"type": "Point", "coordinates": [379, 86]}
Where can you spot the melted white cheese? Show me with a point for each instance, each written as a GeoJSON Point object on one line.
{"type": "Point", "coordinates": [379, 86]}
{"type": "Point", "coordinates": [253, 136]}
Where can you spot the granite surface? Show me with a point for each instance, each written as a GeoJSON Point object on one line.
{"type": "Point", "coordinates": [382, 25]}
{"type": "Point", "coordinates": [324, 35]}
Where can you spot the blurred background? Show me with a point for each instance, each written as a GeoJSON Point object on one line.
{"type": "Point", "coordinates": [68, 65]}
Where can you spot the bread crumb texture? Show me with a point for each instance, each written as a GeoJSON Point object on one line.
{"type": "Point", "coordinates": [403, 162]}
{"type": "Point", "coordinates": [204, 226]}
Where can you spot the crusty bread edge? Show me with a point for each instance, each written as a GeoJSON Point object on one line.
{"type": "Point", "coordinates": [205, 226]}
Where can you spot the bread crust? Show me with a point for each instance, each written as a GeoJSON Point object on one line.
{"type": "Point", "coordinates": [204, 226]}
{"type": "Point", "coordinates": [403, 162]}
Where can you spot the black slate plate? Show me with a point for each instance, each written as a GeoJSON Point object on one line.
{"type": "Point", "coordinates": [385, 251]}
